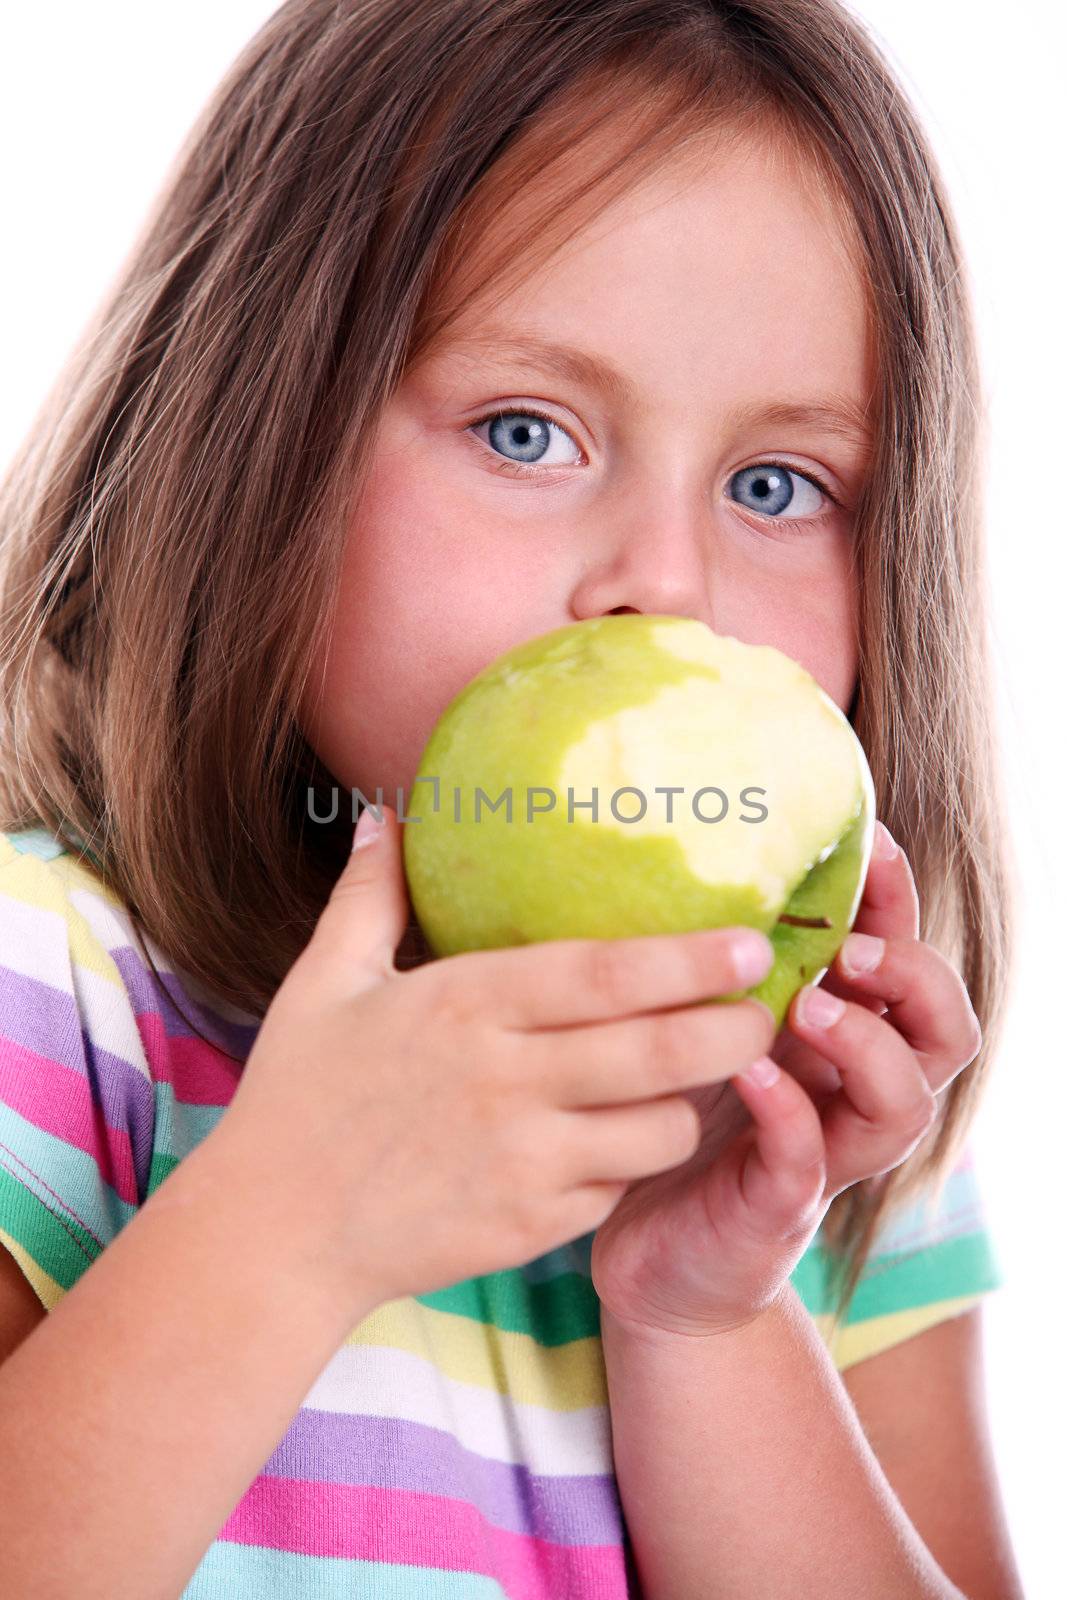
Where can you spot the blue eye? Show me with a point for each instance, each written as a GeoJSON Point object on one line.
{"type": "Point", "coordinates": [523, 438]}
{"type": "Point", "coordinates": [768, 489]}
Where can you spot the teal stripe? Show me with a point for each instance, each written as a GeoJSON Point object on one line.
{"type": "Point", "coordinates": [259, 1574]}
{"type": "Point", "coordinates": [958, 1211]}
{"type": "Point", "coordinates": [45, 846]}
{"type": "Point", "coordinates": [55, 1165]}
{"type": "Point", "coordinates": [162, 1167]}
{"type": "Point", "coordinates": [567, 1307]}
{"type": "Point", "coordinates": [550, 1313]}
{"type": "Point", "coordinates": [943, 1271]}
{"type": "Point", "coordinates": [37, 842]}
{"type": "Point", "coordinates": [46, 1233]}
{"type": "Point", "coordinates": [179, 1125]}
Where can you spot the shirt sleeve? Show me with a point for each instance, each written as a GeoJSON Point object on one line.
{"type": "Point", "coordinates": [931, 1260]}
{"type": "Point", "coordinates": [76, 1094]}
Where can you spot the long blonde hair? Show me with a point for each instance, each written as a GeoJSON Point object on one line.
{"type": "Point", "coordinates": [177, 512]}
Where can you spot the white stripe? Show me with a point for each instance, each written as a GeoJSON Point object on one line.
{"type": "Point", "coordinates": [36, 946]}
{"type": "Point", "coordinates": [373, 1380]}
{"type": "Point", "coordinates": [112, 926]}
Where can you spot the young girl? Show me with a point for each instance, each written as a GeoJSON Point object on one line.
{"type": "Point", "coordinates": [522, 1272]}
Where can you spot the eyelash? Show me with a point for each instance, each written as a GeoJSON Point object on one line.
{"type": "Point", "coordinates": [518, 469]}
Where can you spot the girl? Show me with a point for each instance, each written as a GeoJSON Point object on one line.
{"type": "Point", "coordinates": [522, 1272]}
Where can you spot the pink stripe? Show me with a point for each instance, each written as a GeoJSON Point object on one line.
{"type": "Point", "coordinates": [364, 1523]}
{"type": "Point", "coordinates": [154, 1043]}
{"type": "Point", "coordinates": [199, 1074]}
{"type": "Point", "coordinates": [57, 1100]}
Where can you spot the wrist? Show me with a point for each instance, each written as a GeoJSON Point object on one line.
{"type": "Point", "coordinates": [281, 1223]}
{"type": "Point", "coordinates": [692, 1335]}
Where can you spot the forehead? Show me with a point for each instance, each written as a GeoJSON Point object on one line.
{"type": "Point", "coordinates": [761, 197]}
{"type": "Point", "coordinates": [736, 234]}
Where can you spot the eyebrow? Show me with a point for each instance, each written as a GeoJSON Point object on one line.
{"type": "Point", "coordinates": [832, 413]}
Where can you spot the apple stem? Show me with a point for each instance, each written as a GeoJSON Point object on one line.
{"type": "Point", "coordinates": [806, 922]}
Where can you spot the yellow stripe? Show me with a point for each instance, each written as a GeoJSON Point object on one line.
{"type": "Point", "coordinates": [46, 1289]}
{"type": "Point", "coordinates": [859, 1340]}
{"type": "Point", "coordinates": [566, 1377]}
{"type": "Point", "coordinates": [34, 883]}
{"type": "Point", "coordinates": [571, 1376]}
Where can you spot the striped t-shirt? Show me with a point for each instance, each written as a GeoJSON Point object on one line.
{"type": "Point", "coordinates": [458, 1444]}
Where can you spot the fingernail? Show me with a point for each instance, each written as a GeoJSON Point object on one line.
{"type": "Point", "coordinates": [818, 1008]}
{"type": "Point", "coordinates": [762, 1072]}
{"type": "Point", "coordinates": [752, 954]}
{"type": "Point", "coordinates": [885, 846]}
{"type": "Point", "coordinates": [861, 952]}
{"type": "Point", "coordinates": [367, 829]}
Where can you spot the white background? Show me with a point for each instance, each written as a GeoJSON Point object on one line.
{"type": "Point", "coordinates": [94, 101]}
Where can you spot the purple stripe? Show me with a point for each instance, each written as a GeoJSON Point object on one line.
{"type": "Point", "coordinates": [392, 1453]}
{"type": "Point", "coordinates": [39, 1017]}
{"type": "Point", "coordinates": [147, 994]}
{"type": "Point", "coordinates": [32, 1011]}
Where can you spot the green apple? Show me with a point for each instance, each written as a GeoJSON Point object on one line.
{"type": "Point", "coordinates": [728, 788]}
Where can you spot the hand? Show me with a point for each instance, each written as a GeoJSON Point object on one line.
{"type": "Point", "coordinates": [427, 1126]}
{"type": "Point", "coordinates": [708, 1246]}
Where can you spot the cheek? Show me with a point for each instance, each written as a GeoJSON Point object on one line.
{"type": "Point", "coordinates": [824, 631]}
{"type": "Point", "coordinates": [424, 601]}
{"type": "Point", "coordinates": [808, 612]}
{"type": "Point", "coordinates": [391, 619]}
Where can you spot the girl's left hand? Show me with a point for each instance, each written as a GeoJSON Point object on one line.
{"type": "Point", "coordinates": [708, 1245]}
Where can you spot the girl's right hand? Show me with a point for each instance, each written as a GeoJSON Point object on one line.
{"type": "Point", "coordinates": [477, 1111]}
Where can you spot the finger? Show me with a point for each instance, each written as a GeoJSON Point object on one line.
{"type": "Point", "coordinates": [562, 982]}
{"type": "Point", "coordinates": [783, 1171]}
{"type": "Point", "coordinates": [834, 983]}
{"type": "Point", "coordinates": [885, 1103]}
{"type": "Point", "coordinates": [366, 916]}
{"type": "Point", "coordinates": [925, 998]}
{"type": "Point", "coordinates": [890, 904]}
{"type": "Point", "coordinates": [818, 1077]}
{"type": "Point", "coordinates": [638, 1058]}
{"type": "Point", "coordinates": [625, 1142]}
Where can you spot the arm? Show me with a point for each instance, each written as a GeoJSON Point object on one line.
{"type": "Point", "coordinates": [743, 1470]}
{"type": "Point", "coordinates": [922, 1405]}
{"type": "Point", "coordinates": [137, 1414]}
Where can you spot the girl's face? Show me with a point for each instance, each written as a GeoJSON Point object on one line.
{"type": "Point", "coordinates": [632, 429]}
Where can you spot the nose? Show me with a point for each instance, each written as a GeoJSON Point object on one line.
{"type": "Point", "coordinates": [654, 559]}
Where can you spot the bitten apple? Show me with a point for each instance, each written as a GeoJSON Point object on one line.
{"type": "Point", "coordinates": [641, 774]}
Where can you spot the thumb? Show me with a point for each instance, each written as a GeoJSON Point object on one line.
{"type": "Point", "coordinates": [367, 913]}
